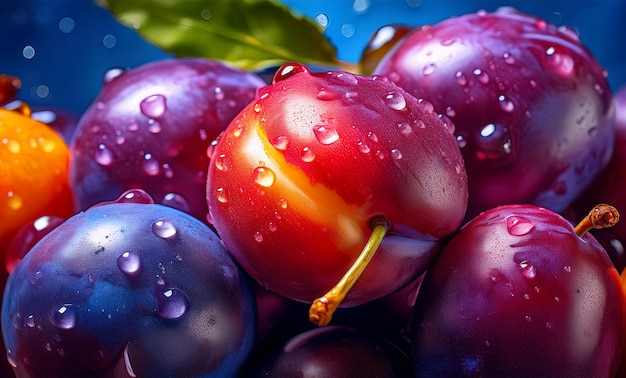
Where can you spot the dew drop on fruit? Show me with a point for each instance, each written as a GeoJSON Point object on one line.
{"type": "Point", "coordinates": [461, 79]}
{"type": "Point", "coordinates": [528, 269]}
{"type": "Point", "coordinates": [461, 141]}
{"type": "Point", "coordinates": [494, 142]}
{"type": "Point", "coordinates": [172, 303]}
{"type": "Point", "coordinates": [450, 112]}
{"type": "Point", "coordinates": [133, 125]}
{"type": "Point", "coordinates": [395, 100]}
{"type": "Point", "coordinates": [15, 201]}
{"type": "Point", "coordinates": [506, 104]}
{"type": "Point", "coordinates": [219, 93]}
{"type": "Point", "coordinates": [567, 268]}
{"type": "Point", "coordinates": [508, 58]}
{"type": "Point", "coordinates": [481, 76]}
{"type": "Point", "coordinates": [221, 162]}
{"type": "Point", "coordinates": [153, 106]}
{"type": "Point", "coordinates": [306, 155]}
{"type": "Point", "coordinates": [372, 136]}
{"type": "Point", "coordinates": [264, 176]}
{"type": "Point", "coordinates": [220, 194]}
{"type": "Point", "coordinates": [364, 148]}
{"type": "Point", "coordinates": [325, 134]}
{"type": "Point", "coordinates": [103, 155]}
{"type": "Point", "coordinates": [283, 203]}
{"type": "Point", "coordinates": [258, 237]}
{"type": "Point", "coordinates": [150, 165]}
{"type": "Point", "coordinates": [164, 229]}
{"type": "Point", "coordinates": [429, 69]}
{"type": "Point", "coordinates": [404, 128]}
{"type": "Point", "coordinates": [64, 317]}
{"type": "Point", "coordinates": [348, 78]}
{"type": "Point", "coordinates": [112, 74]}
{"type": "Point", "coordinates": [135, 196]}
{"type": "Point", "coordinates": [154, 126]}
{"type": "Point", "coordinates": [396, 154]}
{"type": "Point", "coordinates": [128, 263]}
{"type": "Point", "coordinates": [288, 70]}
{"type": "Point", "coordinates": [272, 226]}
{"type": "Point", "coordinates": [519, 226]}
{"type": "Point", "coordinates": [11, 358]}
{"type": "Point", "coordinates": [281, 142]}
{"type": "Point", "coordinates": [176, 201]}
{"type": "Point", "coordinates": [560, 64]}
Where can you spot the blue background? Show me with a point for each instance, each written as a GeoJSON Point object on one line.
{"type": "Point", "coordinates": [76, 41]}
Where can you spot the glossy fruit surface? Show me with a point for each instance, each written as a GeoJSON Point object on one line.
{"type": "Point", "coordinates": [609, 188]}
{"type": "Point", "coordinates": [335, 351]}
{"type": "Point", "coordinates": [532, 107]}
{"type": "Point", "coordinates": [150, 128]}
{"type": "Point", "coordinates": [33, 173]}
{"type": "Point", "coordinates": [517, 293]}
{"type": "Point", "coordinates": [297, 177]}
{"type": "Point", "coordinates": [129, 280]}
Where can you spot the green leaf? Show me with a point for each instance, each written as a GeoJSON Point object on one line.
{"type": "Point", "coordinates": [251, 34]}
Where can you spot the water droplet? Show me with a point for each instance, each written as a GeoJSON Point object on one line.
{"type": "Point", "coordinates": [133, 125]}
{"type": "Point", "coordinates": [164, 229]}
{"type": "Point", "coordinates": [405, 128]}
{"type": "Point", "coordinates": [396, 154]}
{"type": "Point", "coordinates": [481, 76]}
{"type": "Point", "coordinates": [288, 70]}
{"type": "Point", "coordinates": [12, 145]}
{"type": "Point", "coordinates": [272, 227]}
{"type": "Point", "coordinates": [150, 165]}
{"type": "Point", "coordinates": [283, 203]}
{"type": "Point", "coordinates": [153, 106]}
{"type": "Point", "coordinates": [221, 162]}
{"type": "Point", "coordinates": [325, 134]}
{"type": "Point", "coordinates": [219, 93]}
{"type": "Point", "coordinates": [30, 321]}
{"type": "Point", "coordinates": [306, 155]}
{"type": "Point", "coordinates": [429, 69]}
{"type": "Point", "coordinates": [135, 196]}
{"type": "Point", "coordinates": [567, 268]}
{"type": "Point", "coordinates": [281, 142]}
{"type": "Point", "coordinates": [506, 104]}
{"type": "Point", "coordinates": [11, 358]}
{"type": "Point", "coordinates": [15, 201]}
{"type": "Point", "coordinates": [322, 20]}
{"type": "Point", "coordinates": [264, 176]}
{"type": "Point", "coordinates": [327, 95]}
{"type": "Point", "coordinates": [519, 226]}
{"type": "Point", "coordinates": [104, 156]}
{"type": "Point", "coordinates": [450, 112]}
{"type": "Point", "coordinates": [258, 237]}
{"type": "Point", "coordinates": [527, 318]}
{"type": "Point", "coordinates": [372, 136]}
{"type": "Point", "coordinates": [561, 64]}
{"type": "Point", "coordinates": [528, 269]}
{"type": "Point", "coordinates": [220, 194]}
{"type": "Point", "coordinates": [257, 108]}
{"type": "Point", "coordinates": [494, 142]}
{"type": "Point", "coordinates": [461, 141]}
{"type": "Point", "coordinates": [112, 74]}
{"type": "Point", "coordinates": [508, 58]}
{"type": "Point", "coordinates": [461, 79]}
{"type": "Point", "coordinates": [176, 201]}
{"type": "Point", "coordinates": [347, 77]}
{"type": "Point", "coordinates": [28, 52]}
{"type": "Point", "coordinates": [128, 263]}
{"type": "Point", "coordinates": [364, 148]}
{"type": "Point", "coordinates": [396, 100]}
{"type": "Point", "coordinates": [64, 317]}
{"type": "Point", "coordinates": [172, 303]}
{"type": "Point", "coordinates": [154, 126]}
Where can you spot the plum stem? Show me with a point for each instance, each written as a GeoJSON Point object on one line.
{"type": "Point", "coordinates": [322, 308]}
{"type": "Point", "coordinates": [601, 216]}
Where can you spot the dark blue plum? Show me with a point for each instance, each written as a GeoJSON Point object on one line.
{"type": "Point", "coordinates": [128, 280]}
